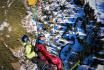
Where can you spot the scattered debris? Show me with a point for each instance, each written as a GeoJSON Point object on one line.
{"type": "Point", "coordinates": [3, 25]}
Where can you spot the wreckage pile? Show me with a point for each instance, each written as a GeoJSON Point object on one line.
{"type": "Point", "coordinates": [71, 29]}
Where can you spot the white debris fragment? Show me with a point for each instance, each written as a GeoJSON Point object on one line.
{"type": "Point", "coordinates": [29, 66]}
{"type": "Point", "coordinates": [19, 53]}
{"type": "Point", "coordinates": [5, 45]}
{"type": "Point", "coordinates": [10, 3]}
{"type": "Point", "coordinates": [100, 67]}
{"type": "Point", "coordinates": [3, 25]}
{"type": "Point", "coordinates": [7, 35]}
{"type": "Point", "coordinates": [3, 6]}
{"type": "Point", "coordinates": [10, 29]}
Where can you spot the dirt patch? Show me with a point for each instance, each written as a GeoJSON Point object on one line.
{"type": "Point", "coordinates": [16, 66]}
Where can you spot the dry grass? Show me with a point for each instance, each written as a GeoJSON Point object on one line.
{"type": "Point", "coordinates": [14, 15]}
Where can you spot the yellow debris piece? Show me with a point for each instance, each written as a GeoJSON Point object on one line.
{"type": "Point", "coordinates": [32, 2]}
{"type": "Point", "coordinates": [29, 53]}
